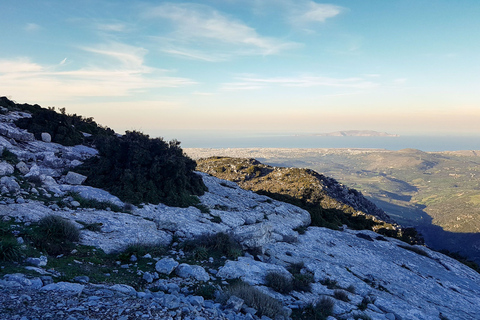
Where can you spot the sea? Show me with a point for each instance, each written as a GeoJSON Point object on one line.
{"type": "Point", "coordinates": [424, 143]}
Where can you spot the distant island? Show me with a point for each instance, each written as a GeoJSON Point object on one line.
{"type": "Point", "coordinates": [356, 133]}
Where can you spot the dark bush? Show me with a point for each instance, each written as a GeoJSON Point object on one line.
{"type": "Point", "coordinates": [279, 282]}
{"type": "Point", "coordinates": [10, 249]}
{"type": "Point", "coordinates": [263, 303]}
{"type": "Point", "coordinates": [319, 311]}
{"type": "Point", "coordinates": [8, 156]}
{"type": "Point", "coordinates": [219, 244]}
{"type": "Point", "coordinates": [55, 235]}
{"type": "Point", "coordinates": [341, 295]}
{"type": "Point", "coordinates": [302, 279]}
{"type": "Point", "coordinates": [64, 128]}
{"type": "Point", "coordinates": [138, 169]}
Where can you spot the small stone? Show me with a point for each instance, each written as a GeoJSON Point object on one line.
{"type": "Point", "coordinates": [75, 204]}
{"type": "Point", "coordinates": [133, 258]}
{"type": "Point", "coordinates": [37, 262]}
{"type": "Point", "coordinates": [147, 276]}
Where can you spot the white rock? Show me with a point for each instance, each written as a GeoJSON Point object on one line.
{"type": "Point", "coordinates": [10, 184]}
{"type": "Point", "coordinates": [64, 287]}
{"type": "Point", "coordinates": [6, 168]}
{"type": "Point", "coordinates": [22, 167]}
{"type": "Point", "coordinates": [123, 288]}
{"type": "Point", "coordinates": [166, 265]}
{"type": "Point", "coordinates": [74, 178]}
{"type": "Point", "coordinates": [46, 137]}
{"type": "Point", "coordinates": [192, 271]}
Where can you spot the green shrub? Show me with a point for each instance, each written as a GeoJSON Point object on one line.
{"type": "Point", "coordinates": [138, 170]}
{"type": "Point", "coordinates": [341, 295]}
{"type": "Point", "coordinates": [302, 279]}
{"type": "Point", "coordinates": [8, 156]}
{"type": "Point", "coordinates": [318, 311]}
{"type": "Point", "coordinates": [64, 129]}
{"type": "Point", "coordinates": [10, 249]}
{"type": "Point", "coordinates": [279, 282]}
{"type": "Point", "coordinates": [55, 235]}
{"type": "Point", "coordinates": [263, 303]}
{"type": "Point", "coordinates": [365, 302]}
{"type": "Point", "coordinates": [351, 288]}
{"type": "Point", "coordinates": [56, 227]}
{"type": "Point", "coordinates": [331, 284]}
{"type": "Point", "coordinates": [140, 249]}
{"type": "Point", "coordinates": [205, 290]}
{"type": "Point", "coordinates": [219, 244]}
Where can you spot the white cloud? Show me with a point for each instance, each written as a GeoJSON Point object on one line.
{"type": "Point", "coordinates": [316, 12]}
{"type": "Point", "coordinates": [120, 73]}
{"type": "Point", "coordinates": [301, 81]}
{"type": "Point", "coordinates": [129, 56]}
{"type": "Point", "coordinates": [111, 27]}
{"type": "Point", "coordinates": [31, 27]}
{"type": "Point", "coordinates": [211, 31]}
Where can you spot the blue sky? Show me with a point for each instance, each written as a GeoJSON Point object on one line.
{"type": "Point", "coordinates": [248, 66]}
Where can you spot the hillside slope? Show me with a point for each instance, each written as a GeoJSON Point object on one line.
{"type": "Point", "coordinates": [235, 255]}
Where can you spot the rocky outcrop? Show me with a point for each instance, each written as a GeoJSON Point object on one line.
{"type": "Point", "coordinates": [363, 273]}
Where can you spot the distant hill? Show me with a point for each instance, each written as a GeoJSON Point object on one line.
{"type": "Point", "coordinates": [356, 133]}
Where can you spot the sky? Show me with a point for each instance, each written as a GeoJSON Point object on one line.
{"type": "Point", "coordinates": [233, 67]}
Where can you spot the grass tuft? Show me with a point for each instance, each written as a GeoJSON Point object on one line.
{"type": "Point", "coordinates": [263, 303]}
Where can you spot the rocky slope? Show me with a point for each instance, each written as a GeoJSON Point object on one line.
{"type": "Point", "coordinates": [360, 273]}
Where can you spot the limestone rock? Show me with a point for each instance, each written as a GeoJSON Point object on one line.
{"type": "Point", "coordinates": [46, 137]}
{"type": "Point", "coordinates": [192, 271]}
{"type": "Point", "coordinates": [10, 184]}
{"type": "Point", "coordinates": [74, 178]}
{"type": "Point", "coordinates": [166, 266]}
{"type": "Point", "coordinates": [64, 287]}
{"type": "Point", "coordinates": [37, 262]}
{"type": "Point", "coordinates": [22, 167]}
{"type": "Point", "coordinates": [6, 169]}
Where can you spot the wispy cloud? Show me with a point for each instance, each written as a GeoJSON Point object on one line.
{"type": "Point", "coordinates": [129, 56]}
{"type": "Point", "coordinates": [211, 31]}
{"type": "Point", "coordinates": [307, 12]}
{"type": "Point", "coordinates": [31, 27]}
{"type": "Point", "coordinates": [120, 73]}
{"type": "Point", "coordinates": [111, 27]}
{"type": "Point", "coordinates": [251, 83]}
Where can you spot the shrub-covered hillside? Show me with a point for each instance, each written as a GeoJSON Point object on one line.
{"type": "Point", "coordinates": [134, 167]}
{"type": "Point", "coordinates": [330, 204]}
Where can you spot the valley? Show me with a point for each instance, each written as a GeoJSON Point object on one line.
{"type": "Point", "coordinates": [436, 192]}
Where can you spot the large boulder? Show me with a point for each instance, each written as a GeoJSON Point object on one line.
{"type": "Point", "coordinates": [46, 137]}
{"type": "Point", "coordinates": [196, 272]}
{"type": "Point", "coordinates": [166, 266]}
{"type": "Point", "coordinates": [6, 169]}
{"type": "Point", "coordinates": [74, 178]}
{"type": "Point", "coordinates": [10, 184]}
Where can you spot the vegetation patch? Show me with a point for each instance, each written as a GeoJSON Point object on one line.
{"type": "Point", "coordinates": [341, 295]}
{"type": "Point", "coordinates": [138, 169]}
{"type": "Point", "coordinates": [415, 249]}
{"type": "Point", "coordinates": [9, 156]}
{"type": "Point", "coordinates": [318, 311]}
{"type": "Point", "coordinates": [55, 235]}
{"type": "Point", "coordinates": [212, 245]}
{"type": "Point", "coordinates": [254, 298]}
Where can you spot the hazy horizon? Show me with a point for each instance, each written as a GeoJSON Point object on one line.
{"type": "Point", "coordinates": [407, 67]}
